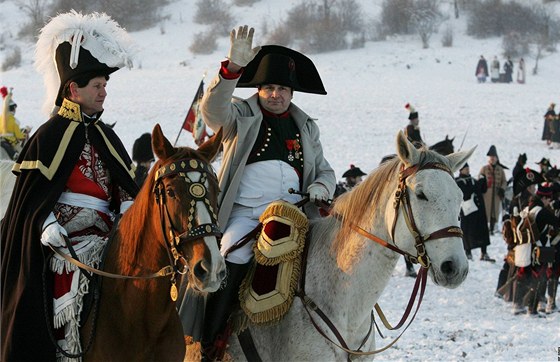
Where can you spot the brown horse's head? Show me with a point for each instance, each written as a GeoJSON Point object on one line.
{"type": "Point", "coordinates": [186, 193]}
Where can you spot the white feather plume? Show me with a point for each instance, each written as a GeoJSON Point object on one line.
{"type": "Point", "coordinates": [103, 38]}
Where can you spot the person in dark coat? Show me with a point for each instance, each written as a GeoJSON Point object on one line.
{"type": "Point", "coordinates": [143, 155]}
{"type": "Point", "coordinates": [508, 70]}
{"type": "Point", "coordinates": [481, 71]}
{"type": "Point", "coordinates": [412, 130]}
{"type": "Point", "coordinates": [519, 168]}
{"type": "Point", "coordinates": [549, 124]}
{"type": "Point", "coordinates": [474, 224]}
{"type": "Point", "coordinates": [74, 176]}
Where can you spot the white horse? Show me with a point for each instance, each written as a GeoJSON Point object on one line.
{"type": "Point", "coordinates": [347, 272]}
{"type": "Point", "coordinates": [7, 182]}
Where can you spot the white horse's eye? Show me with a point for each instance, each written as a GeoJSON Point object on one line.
{"type": "Point", "coordinates": [422, 196]}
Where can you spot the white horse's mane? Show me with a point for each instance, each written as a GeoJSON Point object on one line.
{"type": "Point", "coordinates": [358, 207]}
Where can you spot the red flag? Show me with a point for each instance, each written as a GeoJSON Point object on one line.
{"type": "Point", "coordinates": [193, 113]}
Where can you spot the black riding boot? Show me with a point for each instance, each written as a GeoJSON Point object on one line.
{"type": "Point", "coordinates": [519, 293]}
{"type": "Point", "coordinates": [218, 309]}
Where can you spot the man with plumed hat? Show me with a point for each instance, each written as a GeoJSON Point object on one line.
{"type": "Point", "coordinates": [74, 177]}
{"type": "Point", "coordinates": [270, 145]}
{"type": "Point", "coordinates": [352, 177]}
{"type": "Point", "coordinates": [495, 176]}
{"type": "Point", "coordinates": [412, 130]}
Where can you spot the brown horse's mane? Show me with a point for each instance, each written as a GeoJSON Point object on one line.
{"type": "Point", "coordinates": [359, 206]}
{"type": "Point", "coordinates": [134, 222]}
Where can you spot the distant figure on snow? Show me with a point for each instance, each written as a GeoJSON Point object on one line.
{"type": "Point", "coordinates": [548, 128]}
{"type": "Point", "coordinates": [495, 70]}
{"type": "Point", "coordinates": [508, 70]}
{"type": "Point", "coordinates": [521, 72]}
{"type": "Point", "coordinates": [412, 130]}
{"type": "Point", "coordinates": [481, 71]}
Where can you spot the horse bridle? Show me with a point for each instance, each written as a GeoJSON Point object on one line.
{"type": "Point", "coordinates": [198, 192]}
{"type": "Point", "coordinates": [402, 199]}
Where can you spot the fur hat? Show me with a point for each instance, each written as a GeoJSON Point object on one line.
{"type": "Point", "coordinates": [275, 64]}
{"type": "Point", "coordinates": [522, 159]}
{"type": "Point", "coordinates": [413, 114]}
{"type": "Point", "coordinates": [353, 172]}
{"type": "Point", "coordinates": [142, 149]}
{"type": "Point", "coordinates": [73, 45]}
{"type": "Point", "coordinates": [492, 151]}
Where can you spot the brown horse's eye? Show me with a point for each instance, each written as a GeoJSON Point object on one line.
{"type": "Point", "coordinates": [170, 192]}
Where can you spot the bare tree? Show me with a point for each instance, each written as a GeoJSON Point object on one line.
{"type": "Point", "coordinates": [426, 19]}
{"type": "Point", "coordinates": [543, 35]}
{"type": "Point", "coordinates": [36, 11]}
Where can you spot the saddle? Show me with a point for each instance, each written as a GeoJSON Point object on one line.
{"type": "Point", "coordinates": [267, 292]}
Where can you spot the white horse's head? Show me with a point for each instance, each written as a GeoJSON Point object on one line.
{"type": "Point", "coordinates": [434, 201]}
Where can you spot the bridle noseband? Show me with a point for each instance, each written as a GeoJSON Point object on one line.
{"type": "Point", "coordinates": [198, 192]}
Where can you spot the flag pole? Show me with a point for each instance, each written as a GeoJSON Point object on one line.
{"type": "Point", "coordinates": [195, 99]}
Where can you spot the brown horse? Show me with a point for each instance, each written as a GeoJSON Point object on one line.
{"type": "Point", "coordinates": [172, 224]}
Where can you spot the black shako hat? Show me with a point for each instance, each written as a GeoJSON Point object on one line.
{"type": "Point", "coordinates": [492, 151]}
{"type": "Point", "coordinates": [353, 172]}
{"type": "Point", "coordinates": [142, 149]}
{"type": "Point", "coordinates": [275, 64]}
{"type": "Point", "coordinates": [526, 179]}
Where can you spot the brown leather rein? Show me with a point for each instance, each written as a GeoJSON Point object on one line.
{"type": "Point", "coordinates": [401, 199]}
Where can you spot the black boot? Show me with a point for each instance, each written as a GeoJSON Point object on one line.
{"type": "Point", "coordinates": [218, 309]}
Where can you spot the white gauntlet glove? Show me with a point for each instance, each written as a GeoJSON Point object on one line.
{"type": "Point", "coordinates": [240, 51]}
{"type": "Point", "coordinates": [52, 231]}
{"type": "Point", "coordinates": [317, 193]}
{"type": "Point", "coordinates": [125, 205]}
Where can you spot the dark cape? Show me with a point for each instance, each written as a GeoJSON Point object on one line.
{"type": "Point", "coordinates": [474, 225]}
{"type": "Point", "coordinates": [43, 168]}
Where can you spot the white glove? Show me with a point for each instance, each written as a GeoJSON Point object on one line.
{"type": "Point", "coordinates": [52, 231]}
{"type": "Point", "coordinates": [240, 51]}
{"type": "Point", "coordinates": [125, 205]}
{"type": "Point", "coordinates": [317, 193]}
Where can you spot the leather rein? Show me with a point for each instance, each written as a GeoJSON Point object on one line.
{"type": "Point", "coordinates": [402, 200]}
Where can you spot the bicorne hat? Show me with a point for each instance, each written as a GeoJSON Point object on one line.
{"type": "Point", "coordinates": [544, 162]}
{"type": "Point", "coordinates": [74, 45]}
{"type": "Point", "coordinates": [353, 172]}
{"type": "Point", "coordinates": [526, 179]}
{"type": "Point", "coordinates": [142, 149]}
{"type": "Point", "coordinates": [492, 151]}
{"type": "Point", "coordinates": [275, 64]}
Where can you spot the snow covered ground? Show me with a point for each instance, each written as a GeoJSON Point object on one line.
{"type": "Point", "coordinates": [359, 118]}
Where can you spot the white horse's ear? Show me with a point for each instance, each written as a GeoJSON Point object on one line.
{"type": "Point", "coordinates": [458, 159]}
{"type": "Point", "coordinates": [406, 151]}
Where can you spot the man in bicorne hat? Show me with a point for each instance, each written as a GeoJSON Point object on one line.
{"type": "Point", "coordinates": [497, 182]}
{"type": "Point", "coordinates": [270, 145]}
{"type": "Point", "coordinates": [74, 176]}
